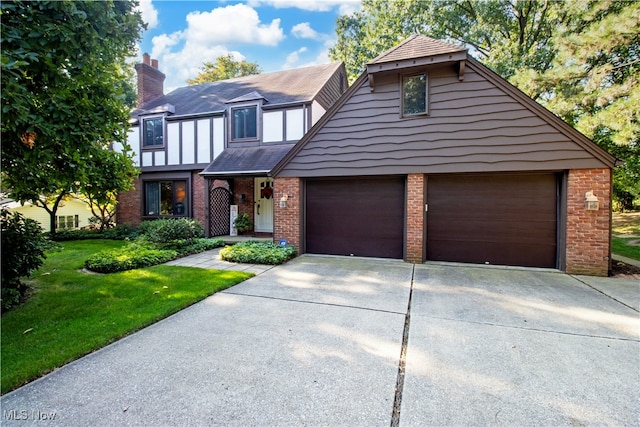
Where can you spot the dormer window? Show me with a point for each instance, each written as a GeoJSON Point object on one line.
{"type": "Point", "coordinates": [153, 132]}
{"type": "Point", "coordinates": [244, 122]}
{"type": "Point", "coordinates": [414, 95]}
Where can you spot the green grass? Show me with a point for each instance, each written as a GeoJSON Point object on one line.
{"type": "Point", "coordinates": [72, 313]}
{"type": "Point", "coordinates": [620, 246]}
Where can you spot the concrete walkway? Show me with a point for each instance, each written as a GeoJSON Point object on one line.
{"type": "Point", "coordinates": [211, 259]}
{"type": "Point", "coordinates": [365, 342]}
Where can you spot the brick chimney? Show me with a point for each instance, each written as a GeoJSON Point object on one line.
{"type": "Point", "coordinates": [150, 80]}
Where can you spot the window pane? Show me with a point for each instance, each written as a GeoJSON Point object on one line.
{"type": "Point", "coordinates": [153, 132]}
{"type": "Point", "coordinates": [245, 122]}
{"type": "Point", "coordinates": [166, 198]}
{"type": "Point", "coordinates": [152, 198]}
{"type": "Point", "coordinates": [180, 193]}
{"type": "Point", "coordinates": [415, 95]}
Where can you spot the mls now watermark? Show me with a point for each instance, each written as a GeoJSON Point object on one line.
{"type": "Point", "coordinates": [24, 415]}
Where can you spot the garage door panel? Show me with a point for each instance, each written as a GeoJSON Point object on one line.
{"type": "Point", "coordinates": [355, 216]}
{"type": "Point", "coordinates": [499, 219]}
{"type": "Point", "coordinates": [480, 252]}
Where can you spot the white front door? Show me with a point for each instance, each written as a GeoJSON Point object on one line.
{"type": "Point", "coordinates": [263, 205]}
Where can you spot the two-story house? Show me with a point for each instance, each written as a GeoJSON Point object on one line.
{"type": "Point", "coordinates": [206, 147]}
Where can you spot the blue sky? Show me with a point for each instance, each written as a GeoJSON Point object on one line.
{"type": "Point", "coordinates": [276, 34]}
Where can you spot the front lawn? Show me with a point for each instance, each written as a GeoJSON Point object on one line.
{"type": "Point", "coordinates": [626, 230]}
{"type": "Point", "coordinates": [71, 312]}
{"type": "Point", "coordinates": [622, 247]}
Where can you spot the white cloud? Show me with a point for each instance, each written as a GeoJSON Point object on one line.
{"type": "Point", "coordinates": [206, 36]}
{"type": "Point", "coordinates": [304, 31]}
{"type": "Point", "coordinates": [238, 23]}
{"type": "Point", "coordinates": [310, 5]}
{"type": "Point", "coordinates": [293, 58]}
{"type": "Point", "coordinates": [149, 13]}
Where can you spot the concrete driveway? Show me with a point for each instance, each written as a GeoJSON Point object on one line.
{"type": "Point", "coordinates": [330, 341]}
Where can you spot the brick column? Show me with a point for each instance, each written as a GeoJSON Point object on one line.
{"type": "Point", "coordinates": [415, 219]}
{"type": "Point", "coordinates": [129, 206]}
{"type": "Point", "coordinates": [287, 222]}
{"type": "Point", "coordinates": [588, 232]}
{"type": "Point", "coordinates": [199, 186]}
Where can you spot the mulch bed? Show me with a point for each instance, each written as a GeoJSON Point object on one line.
{"type": "Point", "coordinates": [621, 270]}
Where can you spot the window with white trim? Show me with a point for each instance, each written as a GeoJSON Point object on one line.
{"type": "Point", "coordinates": [66, 222]}
{"type": "Point", "coordinates": [414, 95]}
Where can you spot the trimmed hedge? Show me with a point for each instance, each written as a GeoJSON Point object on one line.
{"type": "Point", "coordinates": [179, 231]}
{"type": "Point", "coordinates": [254, 252]}
{"type": "Point", "coordinates": [120, 232]}
{"type": "Point", "coordinates": [128, 258]}
{"type": "Point", "coordinates": [143, 254]}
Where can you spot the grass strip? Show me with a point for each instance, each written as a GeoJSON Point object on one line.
{"type": "Point", "coordinates": [72, 313]}
{"type": "Point", "coordinates": [622, 247]}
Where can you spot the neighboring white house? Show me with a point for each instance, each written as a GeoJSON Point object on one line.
{"type": "Point", "coordinates": [71, 214]}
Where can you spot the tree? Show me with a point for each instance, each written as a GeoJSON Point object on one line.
{"type": "Point", "coordinates": [111, 172]}
{"type": "Point", "coordinates": [594, 83]}
{"type": "Point", "coordinates": [64, 91]}
{"type": "Point", "coordinates": [225, 67]}
{"type": "Point", "coordinates": [505, 35]}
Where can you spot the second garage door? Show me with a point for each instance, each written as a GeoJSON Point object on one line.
{"type": "Point", "coordinates": [355, 216]}
{"type": "Point", "coordinates": [493, 219]}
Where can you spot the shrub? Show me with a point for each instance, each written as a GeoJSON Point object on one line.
{"type": "Point", "coordinates": [195, 246]}
{"type": "Point", "coordinates": [243, 223]}
{"type": "Point", "coordinates": [132, 256]}
{"type": "Point", "coordinates": [171, 231]}
{"type": "Point", "coordinates": [23, 251]}
{"type": "Point", "coordinates": [120, 232]}
{"type": "Point", "coordinates": [253, 252]}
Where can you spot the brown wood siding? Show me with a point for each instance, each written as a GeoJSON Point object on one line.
{"type": "Point", "coordinates": [359, 217]}
{"type": "Point", "coordinates": [473, 126]}
{"type": "Point", "coordinates": [493, 219]}
{"type": "Point", "coordinates": [332, 90]}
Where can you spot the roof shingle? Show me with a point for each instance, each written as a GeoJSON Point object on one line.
{"type": "Point", "coordinates": [282, 87]}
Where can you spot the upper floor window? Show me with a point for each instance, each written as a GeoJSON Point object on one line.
{"type": "Point", "coordinates": [414, 95]}
{"type": "Point", "coordinates": [153, 134]}
{"type": "Point", "coordinates": [244, 123]}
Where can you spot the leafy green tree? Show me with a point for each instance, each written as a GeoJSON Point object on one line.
{"type": "Point", "coordinates": [64, 91]}
{"type": "Point", "coordinates": [111, 172]}
{"type": "Point", "coordinates": [225, 67]}
{"type": "Point", "coordinates": [505, 35]}
{"type": "Point", "coordinates": [594, 83]}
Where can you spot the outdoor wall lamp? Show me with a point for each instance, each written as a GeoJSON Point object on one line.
{"type": "Point", "coordinates": [284, 201]}
{"type": "Point", "coordinates": [242, 198]}
{"type": "Point", "coordinates": [590, 201]}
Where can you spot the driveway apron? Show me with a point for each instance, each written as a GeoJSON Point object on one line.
{"type": "Point", "coordinates": [508, 347]}
{"type": "Point", "coordinates": [315, 341]}
{"type": "Point", "coordinates": [337, 341]}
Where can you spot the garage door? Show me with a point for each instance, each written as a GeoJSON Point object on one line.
{"type": "Point", "coordinates": [494, 219]}
{"type": "Point", "coordinates": [355, 216]}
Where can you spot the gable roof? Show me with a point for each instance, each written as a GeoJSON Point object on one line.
{"type": "Point", "coordinates": [416, 46]}
{"type": "Point", "coordinates": [376, 151]}
{"type": "Point", "coordinates": [282, 87]}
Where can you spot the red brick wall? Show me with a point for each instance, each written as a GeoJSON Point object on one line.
{"type": "Point", "coordinates": [129, 205]}
{"type": "Point", "coordinates": [199, 188]}
{"type": "Point", "coordinates": [150, 81]}
{"type": "Point", "coordinates": [588, 232]}
{"type": "Point", "coordinates": [287, 221]}
{"type": "Point", "coordinates": [415, 219]}
{"type": "Point", "coordinates": [243, 186]}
